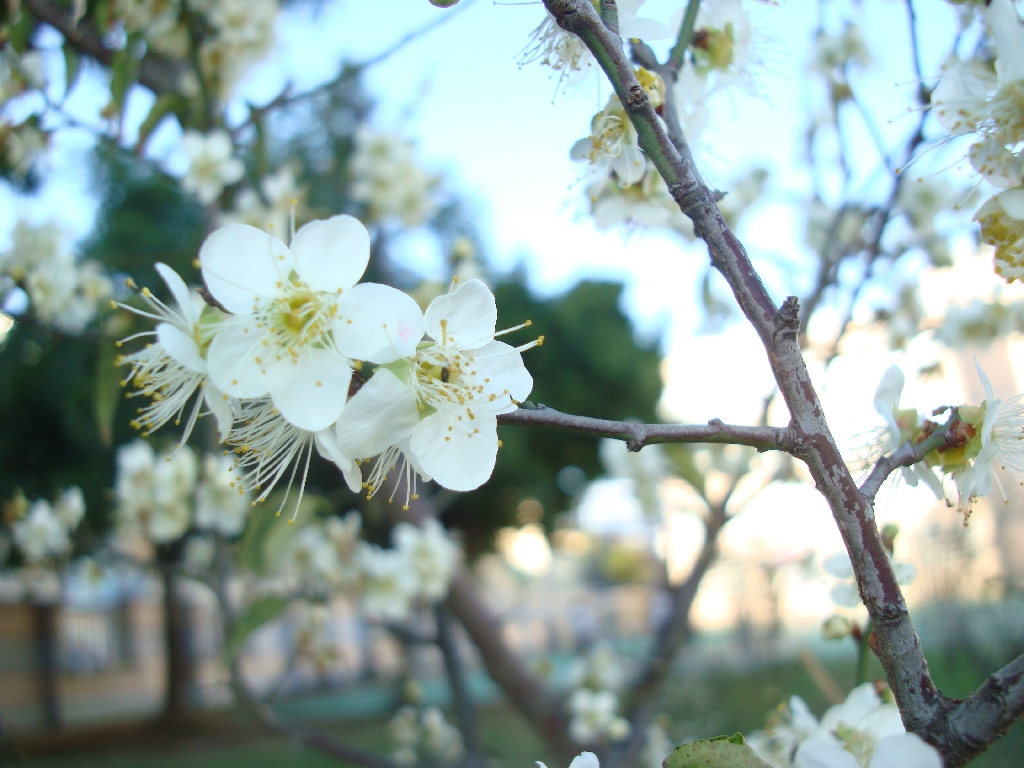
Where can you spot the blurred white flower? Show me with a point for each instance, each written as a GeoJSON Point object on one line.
{"type": "Point", "coordinates": [70, 507]}
{"type": "Point", "coordinates": [212, 166]}
{"type": "Point", "coordinates": [154, 493]}
{"type": "Point", "coordinates": [845, 593]}
{"type": "Point", "coordinates": [281, 195]}
{"type": "Point", "coordinates": [595, 717]}
{"type": "Point", "coordinates": [433, 556]}
{"type": "Point", "coordinates": [864, 732]}
{"type": "Point", "coordinates": [389, 583]}
{"type": "Point", "coordinates": [612, 145]}
{"type": "Point", "coordinates": [387, 177]}
{"type": "Point", "coordinates": [222, 504]}
{"type": "Point", "coordinates": [582, 760]}
{"type": "Point", "coordinates": [200, 552]}
{"type": "Point", "coordinates": [41, 533]}
{"type": "Point", "coordinates": [787, 728]}
{"type": "Point", "coordinates": [311, 560]}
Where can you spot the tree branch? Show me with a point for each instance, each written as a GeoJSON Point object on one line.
{"type": "Point", "coordinates": [507, 669]}
{"type": "Point", "coordinates": [637, 435]}
{"type": "Point", "coordinates": [158, 73]}
{"type": "Point", "coordinates": [465, 708]}
{"type": "Point", "coordinates": [923, 707]}
{"type": "Point", "coordinates": [904, 456]}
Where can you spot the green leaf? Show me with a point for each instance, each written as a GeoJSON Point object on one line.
{"type": "Point", "coordinates": [123, 70]}
{"type": "Point", "coordinates": [108, 390]}
{"type": "Point", "coordinates": [719, 752]}
{"type": "Point", "coordinates": [255, 616]}
{"type": "Point", "coordinates": [72, 68]}
{"type": "Point", "coordinates": [169, 103]}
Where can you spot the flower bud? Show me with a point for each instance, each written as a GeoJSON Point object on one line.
{"type": "Point", "coordinates": [836, 627]}
{"type": "Point", "coordinates": [889, 533]}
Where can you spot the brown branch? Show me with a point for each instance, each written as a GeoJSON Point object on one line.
{"type": "Point", "coordinates": [924, 709]}
{"type": "Point", "coordinates": [906, 455]}
{"type": "Point", "coordinates": [158, 73]}
{"type": "Point", "coordinates": [465, 707]}
{"type": "Point", "coordinates": [637, 435]}
{"type": "Point", "coordinates": [507, 669]}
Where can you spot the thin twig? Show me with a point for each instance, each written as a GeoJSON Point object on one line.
{"type": "Point", "coordinates": [637, 435]}
{"type": "Point", "coordinates": [465, 707]}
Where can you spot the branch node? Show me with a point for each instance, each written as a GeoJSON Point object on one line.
{"type": "Point", "coordinates": [787, 319]}
{"type": "Point", "coordinates": [716, 423]}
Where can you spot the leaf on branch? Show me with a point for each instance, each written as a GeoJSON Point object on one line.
{"type": "Point", "coordinates": [108, 390]}
{"type": "Point", "coordinates": [719, 752]}
{"type": "Point", "coordinates": [72, 68]}
{"type": "Point", "coordinates": [169, 103]}
{"type": "Point", "coordinates": [255, 616]}
{"type": "Point", "coordinates": [124, 70]}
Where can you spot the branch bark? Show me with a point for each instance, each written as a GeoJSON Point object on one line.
{"type": "Point", "coordinates": [507, 669]}
{"type": "Point", "coordinates": [637, 435]}
{"type": "Point", "coordinates": [924, 709]}
{"type": "Point", "coordinates": [465, 708]}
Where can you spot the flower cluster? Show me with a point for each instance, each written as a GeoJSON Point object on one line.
{"type": "Point", "coordinates": [41, 530]}
{"type": "Point", "coordinates": [161, 497]}
{"type": "Point", "coordinates": [211, 165]}
{"type": "Point", "coordinates": [971, 98]}
{"type": "Point", "coordinates": [64, 292]}
{"type": "Point", "coordinates": [865, 731]}
{"type": "Point", "coordinates": [274, 362]}
{"type": "Point", "coordinates": [594, 703]}
{"type": "Point", "coordinates": [991, 432]}
{"type": "Point", "coordinates": [424, 735]}
{"type": "Point", "coordinates": [387, 178]}
{"type": "Point", "coordinates": [270, 208]}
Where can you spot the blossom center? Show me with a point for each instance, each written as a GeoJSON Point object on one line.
{"type": "Point", "coordinates": [1008, 112]}
{"type": "Point", "coordinates": [300, 316]}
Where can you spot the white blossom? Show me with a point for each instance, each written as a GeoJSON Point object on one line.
{"type": "Point", "coordinates": [439, 406]}
{"type": "Point", "coordinates": [432, 555]}
{"type": "Point", "coordinates": [887, 405]}
{"type": "Point", "coordinates": [174, 367]}
{"type": "Point", "coordinates": [387, 177]}
{"type": "Point", "coordinates": [41, 533]}
{"type": "Point", "coordinates": [389, 583]}
{"type": "Point", "coordinates": [864, 732]}
{"type": "Point", "coordinates": [311, 560]}
{"type": "Point", "coordinates": [154, 493]}
{"type": "Point", "coordinates": [845, 593]}
{"type": "Point", "coordinates": [298, 321]}
{"type": "Point", "coordinates": [582, 760]}
{"type": "Point", "coordinates": [595, 717]}
{"type": "Point", "coordinates": [280, 193]}
{"type": "Point", "coordinates": [212, 166]}
{"type": "Point", "coordinates": [1002, 441]}
{"type": "Point", "coordinates": [222, 505]}
{"type": "Point", "coordinates": [612, 145]}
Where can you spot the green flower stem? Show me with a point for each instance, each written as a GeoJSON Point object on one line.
{"type": "Point", "coordinates": [863, 655]}
{"type": "Point", "coordinates": [678, 54]}
{"type": "Point", "coordinates": [610, 15]}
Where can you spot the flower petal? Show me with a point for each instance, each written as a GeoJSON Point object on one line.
{"type": "Point", "coordinates": [377, 323]}
{"type": "Point", "coordinates": [235, 360]}
{"type": "Point", "coordinates": [310, 390]}
{"type": "Point", "coordinates": [181, 347]}
{"type": "Point", "coordinates": [469, 316]}
{"type": "Point", "coordinates": [839, 565]}
{"type": "Point", "coordinates": [331, 255]}
{"type": "Point", "coordinates": [458, 457]}
{"type": "Point", "coordinates": [630, 165]}
{"type": "Point", "coordinates": [327, 445]}
{"type": "Point", "coordinates": [584, 760]}
{"type": "Point", "coordinates": [503, 365]}
{"type": "Point", "coordinates": [381, 414]}
{"type": "Point", "coordinates": [180, 292]}
{"type": "Point", "coordinates": [823, 754]}
{"type": "Point", "coordinates": [222, 408]}
{"type": "Point", "coordinates": [242, 264]}
{"type": "Point", "coordinates": [906, 750]}
{"type": "Point", "coordinates": [845, 594]}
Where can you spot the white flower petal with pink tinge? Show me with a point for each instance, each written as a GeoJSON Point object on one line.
{"type": "Point", "coordinates": [470, 314]}
{"type": "Point", "coordinates": [377, 323]}
{"type": "Point", "coordinates": [381, 414]}
{"type": "Point", "coordinates": [310, 389]}
{"type": "Point", "coordinates": [242, 264]}
{"type": "Point", "coordinates": [456, 456]}
{"type": "Point", "coordinates": [331, 255]}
